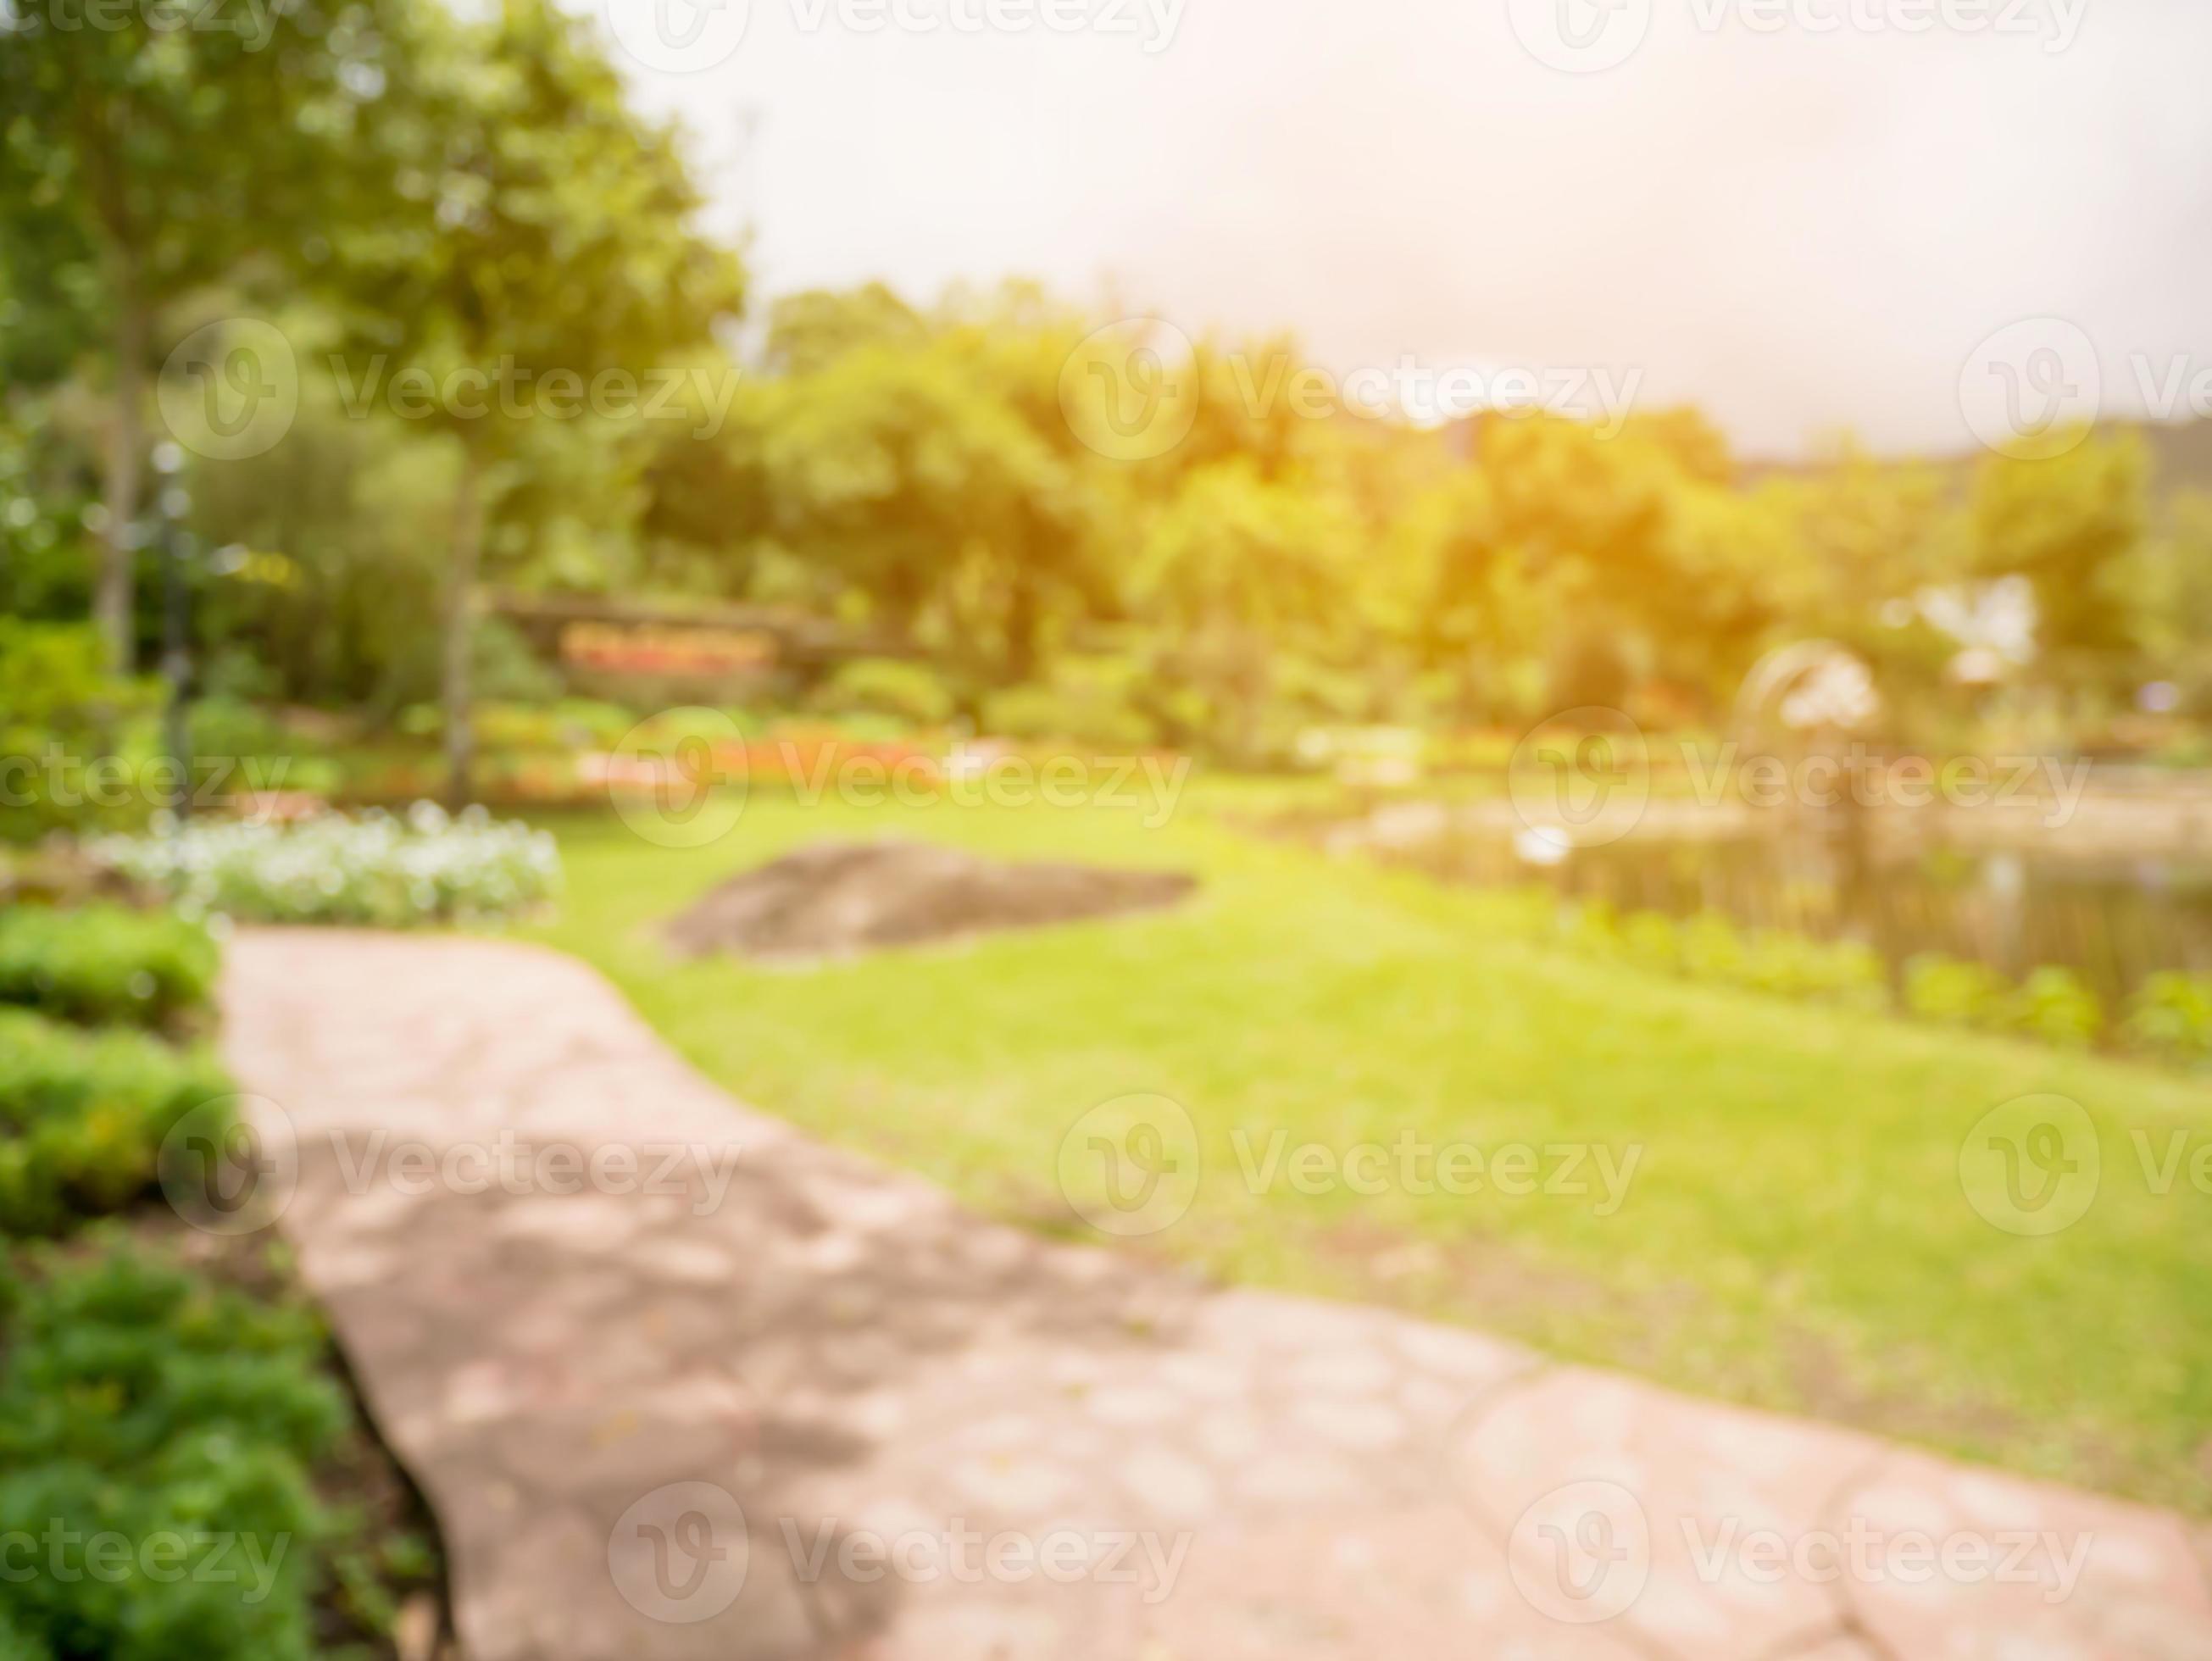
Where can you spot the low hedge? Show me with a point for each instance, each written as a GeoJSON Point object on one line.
{"type": "Point", "coordinates": [106, 964]}
{"type": "Point", "coordinates": [83, 1115]}
{"type": "Point", "coordinates": [157, 1438]}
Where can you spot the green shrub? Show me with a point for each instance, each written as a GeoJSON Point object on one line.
{"type": "Point", "coordinates": [1713, 949]}
{"type": "Point", "coordinates": [1591, 928]}
{"type": "Point", "coordinates": [2170, 1015]}
{"type": "Point", "coordinates": [1651, 940]}
{"type": "Point", "coordinates": [104, 962]}
{"type": "Point", "coordinates": [62, 712]}
{"type": "Point", "coordinates": [231, 727]}
{"type": "Point", "coordinates": [2053, 1005]}
{"type": "Point", "coordinates": [1799, 966]}
{"type": "Point", "coordinates": [83, 1116]}
{"type": "Point", "coordinates": [1956, 993]}
{"type": "Point", "coordinates": [1710, 948]}
{"type": "Point", "coordinates": [915, 693]}
{"type": "Point", "coordinates": [1851, 973]}
{"type": "Point", "coordinates": [570, 724]}
{"type": "Point", "coordinates": [1092, 699]}
{"type": "Point", "coordinates": [140, 1402]}
{"type": "Point", "coordinates": [1530, 912]}
{"type": "Point", "coordinates": [17, 1645]}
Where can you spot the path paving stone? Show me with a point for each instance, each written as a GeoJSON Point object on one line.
{"type": "Point", "coordinates": [821, 1412]}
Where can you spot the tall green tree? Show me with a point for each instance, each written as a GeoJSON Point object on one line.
{"type": "Point", "coordinates": [930, 481]}
{"type": "Point", "coordinates": [2069, 523]}
{"type": "Point", "coordinates": [548, 240]}
{"type": "Point", "coordinates": [144, 155]}
{"type": "Point", "coordinates": [1251, 578]}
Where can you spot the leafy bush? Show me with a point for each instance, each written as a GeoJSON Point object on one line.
{"type": "Point", "coordinates": [1651, 939]}
{"type": "Point", "coordinates": [376, 869]}
{"type": "Point", "coordinates": [1094, 700]}
{"type": "Point", "coordinates": [1847, 972]}
{"type": "Point", "coordinates": [142, 1402]}
{"type": "Point", "coordinates": [231, 727]}
{"type": "Point", "coordinates": [1713, 949]}
{"type": "Point", "coordinates": [61, 711]}
{"type": "Point", "coordinates": [570, 724]}
{"type": "Point", "coordinates": [1592, 928]}
{"type": "Point", "coordinates": [83, 1116]}
{"type": "Point", "coordinates": [2054, 1005]}
{"type": "Point", "coordinates": [1956, 993]}
{"type": "Point", "coordinates": [2170, 1015]}
{"type": "Point", "coordinates": [104, 962]}
{"type": "Point", "coordinates": [914, 693]}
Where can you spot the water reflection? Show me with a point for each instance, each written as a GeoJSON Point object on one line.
{"type": "Point", "coordinates": [2112, 919]}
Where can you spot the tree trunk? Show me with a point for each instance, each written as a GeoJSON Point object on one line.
{"type": "Point", "coordinates": [126, 442]}
{"type": "Point", "coordinates": [459, 633]}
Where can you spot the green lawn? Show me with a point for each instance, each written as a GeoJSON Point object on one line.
{"type": "Point", "coordinates": [1795, 1236]}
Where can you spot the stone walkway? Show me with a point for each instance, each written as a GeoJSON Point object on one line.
{"type": "Point", "coordinates": [821, 1412]}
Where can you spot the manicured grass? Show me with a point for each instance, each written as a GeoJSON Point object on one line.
{"type": "Point", "coordinates": [1795, 1234]}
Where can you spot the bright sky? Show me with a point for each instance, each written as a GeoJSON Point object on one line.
{"type": "Point", "coordinates": [1803, 214]}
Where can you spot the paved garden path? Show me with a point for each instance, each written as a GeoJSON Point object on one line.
{"type": "Point", "coordinates": [829, 1414]}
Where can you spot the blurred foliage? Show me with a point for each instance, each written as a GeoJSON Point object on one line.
{"type": "Point", "coordinates": [2169, 1018]}
{"type": "Point", "coordinates": [106, 964]}
{"type": "Point", "coordinates": [83, 1116]}
{"type": "Point", "coordinates": [2170, 1015]}
{"type": "Point", "coordinates": [60, 712]}
{"type": "Point", "coordinates": [473, 193]}
{"type": "Point", "coordinates": [141, 1401]}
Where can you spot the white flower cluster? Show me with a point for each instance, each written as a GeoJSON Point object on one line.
{"type": "Point", "coordinates": [376, 869]}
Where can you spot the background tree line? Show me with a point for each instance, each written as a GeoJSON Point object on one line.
{"type": "Point", "coordinates": [390, 184]}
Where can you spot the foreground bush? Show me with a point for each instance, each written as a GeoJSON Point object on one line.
{"type": "Point", "coordinates": [83, 1116]}
{"type": "Point", "coordinates": [2054, 1004]}
{"type": "Point", "coordinates": [2170, 1015]}
{"type": "Point", "coordinates": [104, 962]}
{"type": "Point", "coordinates": [376, 869]}
{"type": "Point", "coordinates": [142, 1404]}
{"type": "Point", "coordinates": [58, 700]}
